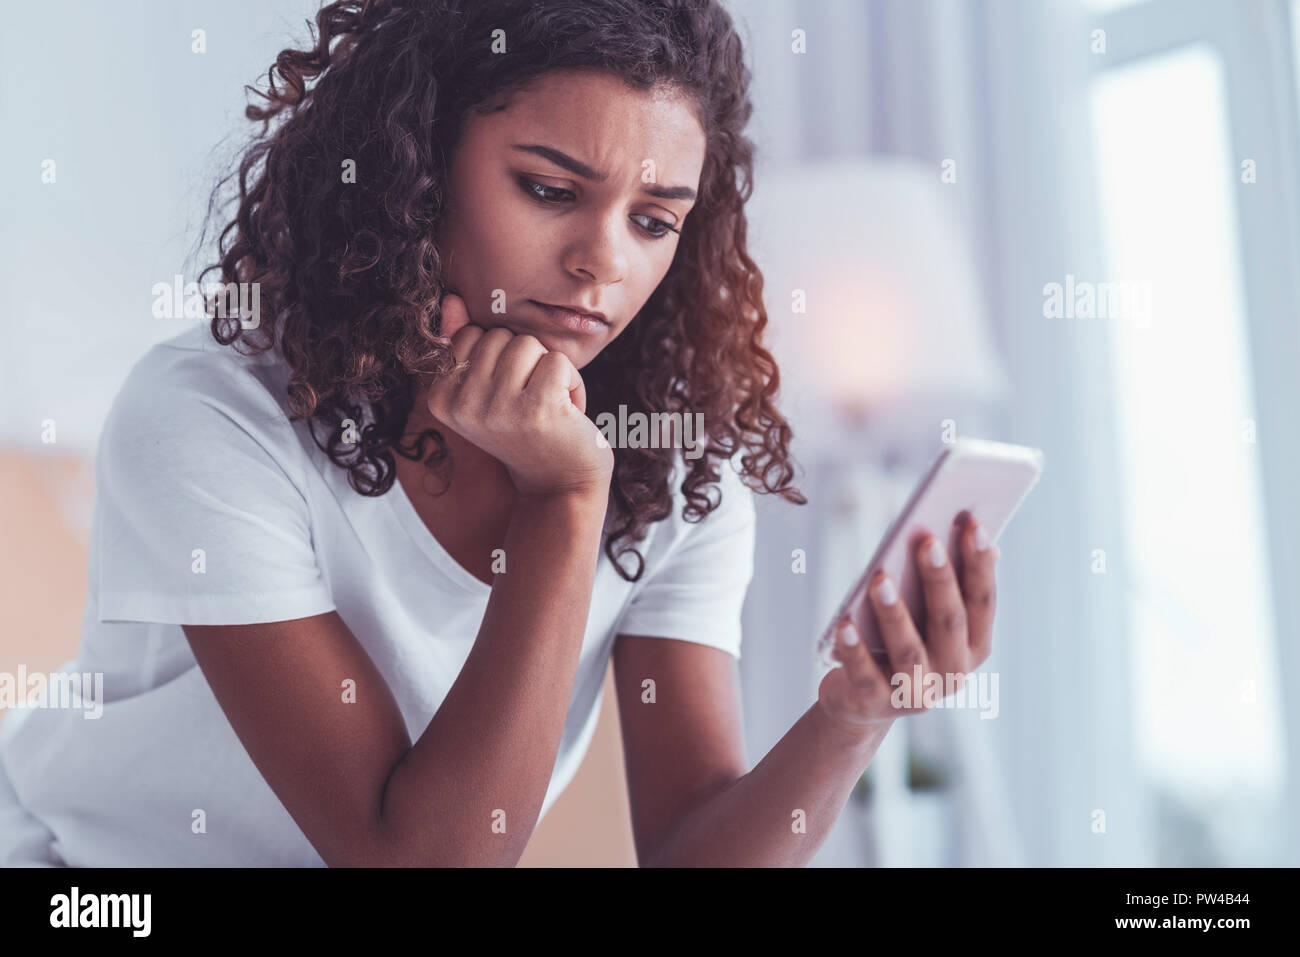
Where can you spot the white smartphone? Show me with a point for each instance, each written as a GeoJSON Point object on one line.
{"type": "Point", "coordinates": [987, 479]}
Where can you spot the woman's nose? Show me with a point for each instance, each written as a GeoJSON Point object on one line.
{"type": "Point", "coordinates": [599, 251]}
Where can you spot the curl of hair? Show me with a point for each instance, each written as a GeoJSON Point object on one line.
{"type": "Point", "coordinates": [351, 279]}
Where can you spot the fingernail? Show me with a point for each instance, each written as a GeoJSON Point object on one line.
{"type": "Point", "coordinates": [981, 539]}
{"type": "Point", "coordinates": [886, 591]}
{"type": "Point", "coordinates": [937, 557]}
{"type": "Point", "coordinates": [847, 634]}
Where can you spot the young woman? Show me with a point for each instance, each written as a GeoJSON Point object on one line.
{"type": "Point", "coordinates": [360, 559]}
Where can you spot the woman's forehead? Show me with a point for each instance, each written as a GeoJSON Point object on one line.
{"type": "Point", "coordinates": [604, 123]}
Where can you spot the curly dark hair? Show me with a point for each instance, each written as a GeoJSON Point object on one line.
{"type": "Point", "coordinates": [350, 278]}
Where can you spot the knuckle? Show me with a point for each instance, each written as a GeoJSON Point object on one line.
{"type": "Point", "coordinates": [866, 685]}
{"type": "Point", "coordinates": [454, 386]}
{"type": "Point", "coordinates": [489, 344]}
{"type": "Point", "coordinates": [532, 415]}
{"type": "Point", "coordinates": [496, 414]}
{"type": "Point", "coordinates": [551, 364]}
{"type": "Point", "coordinates": [910, 656]}
{"type": "Point", "coordinates": [952, 619]}
{"type": "Point", "coordinates": [474, 408]}
{"type": "Point", "coordinates": [458, 382]}
{"type": "Point", "coordinates": [523, 344]}
{"type": "Point", "coordinates": [465, 341]}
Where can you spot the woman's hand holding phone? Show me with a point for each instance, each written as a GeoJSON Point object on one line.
{"type": "Point", "coordinates": [523, 404]}
{"type": "Point", "coordinates": [958, 639]}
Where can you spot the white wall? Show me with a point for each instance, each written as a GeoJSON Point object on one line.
{"type": "Point", "coordinates": [135, 123]}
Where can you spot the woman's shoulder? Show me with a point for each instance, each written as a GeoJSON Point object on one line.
{"type": "Point", "coordinates": [189, 399]}
{"type": "Point", "coordinates": [192, 366]}
{"type": "Point", "coordinates": [733, 492]}
{"type": "Point", "coordinates": [203, 510]}
{"type": "Point", "coordinates": [733, 515]}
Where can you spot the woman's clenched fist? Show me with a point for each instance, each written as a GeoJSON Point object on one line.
{"type": "Point", "coordinates": [521, 403]}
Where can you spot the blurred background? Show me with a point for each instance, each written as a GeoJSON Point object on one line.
{"type": "Point", "coordinates": [1071, 224]}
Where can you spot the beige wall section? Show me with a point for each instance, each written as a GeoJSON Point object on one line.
{"type": "Point", "coordinates": [44, 509]}
{"type": "Point", "coordinates": [42, 560]}
{"type": "Point", "coordinates": [590, 824]}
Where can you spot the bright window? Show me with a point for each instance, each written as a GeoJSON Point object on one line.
{"type": "Point", "coordinates": [1207, 711]}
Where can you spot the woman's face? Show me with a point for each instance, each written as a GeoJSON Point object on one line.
{"type": "Point", "coordinates": [558, 198]}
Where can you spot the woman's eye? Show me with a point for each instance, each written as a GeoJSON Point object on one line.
{"type": "Point", "coordinates": [655, 228]}
{"type": "Point", "coordinates": [532, 189]}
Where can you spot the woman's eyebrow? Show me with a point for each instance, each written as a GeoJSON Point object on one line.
{"type": "Point", "coordinates": [579, 168]}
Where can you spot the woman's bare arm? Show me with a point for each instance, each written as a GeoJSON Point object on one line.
{"type": "Point", "coordinates": [347, 771]}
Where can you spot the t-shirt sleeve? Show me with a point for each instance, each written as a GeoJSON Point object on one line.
{"type": "Point", "coordinates": [199, 514]}
{"type": "Point", "coordinates": [697, 592]}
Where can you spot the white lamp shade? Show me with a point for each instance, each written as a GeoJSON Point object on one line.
{"type": "Point", "coordinates": [878, 255]}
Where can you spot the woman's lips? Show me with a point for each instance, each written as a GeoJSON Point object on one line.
{"type": "Point", "coordinates": [568, 319]}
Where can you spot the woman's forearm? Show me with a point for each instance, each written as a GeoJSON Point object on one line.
{"type": "Point", "coordinates": [779, 814]}
{"type": "Point", "coordinates": [470, 790]}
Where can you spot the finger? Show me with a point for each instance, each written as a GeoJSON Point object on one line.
{"type": "Point", "coordinates": [945, 612]}
{"type": "Point", "coordinates": [554, 376]}
{"type": "Point", "coordinates": [479, 385]}
{"type": "Point", "coordinates": [979, 588]}
{"type": "Point", "coordinates": [454, 315]}
{"type": "Point", "coordinates": [466, 341]}
{"type": "Point", "coordinates": [516, 363]}
{"type": "Point", "coordinates": [863, 671]}
{"type": "Point", "coordinates": [578, 389]}
{"type": "Point", "coordinates": [902, 640]}
{"type": "Point", "coordinates": [463, 336]}
{"type": "Point", "coordinates": [462, 333]}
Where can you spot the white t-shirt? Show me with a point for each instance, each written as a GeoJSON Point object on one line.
{"type": "Point", "coordinates": [211, 507]}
